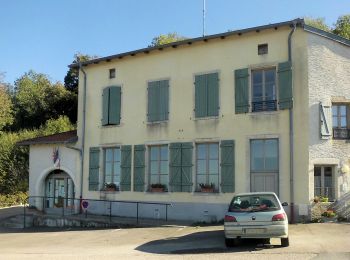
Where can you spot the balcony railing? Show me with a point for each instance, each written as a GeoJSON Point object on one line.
{"type": "Point", "coordinates": [268, 105]}
{"type": "Point", "coordinates": [341, 133]}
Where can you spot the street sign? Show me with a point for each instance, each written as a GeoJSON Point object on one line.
{"type": "Point", "coordinates": [84, 204]}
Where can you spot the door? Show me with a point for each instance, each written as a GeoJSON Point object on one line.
{"type": "Point", "coordinates": [264, 182]}
{"type": "Point", "coordinates": [60, 193]}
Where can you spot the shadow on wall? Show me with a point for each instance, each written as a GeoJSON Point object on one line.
{"type": "Point", "coordinates": [201, 243]}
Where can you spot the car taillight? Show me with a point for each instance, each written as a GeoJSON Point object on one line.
{"type": "Point", "coordinates": [279, 217]}
{"type": "Point", "coordinates": [229, 218]}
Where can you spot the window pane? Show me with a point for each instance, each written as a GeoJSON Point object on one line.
{"type": "Point", "coordinates": [213, 151]}
{"type": "Point", "coordinates": [154, 167]}
{"type": "Point", "coordinates": [201, 179]}
{"type": "Point", "coordinates": [334, 110]}
{"type": "Point", "coordinates": [164, 167]}
{"type": "Point", "coordinates": [343, 110]}
{"type": "Point", "coordinates": [201, 151]}
{"type": "Point", "coordinates": [108, 168]}
{"type": "Point", "coordinates": [257, 156]}
{"type": "Point", "coordinates": [117, 168]}
{"type": "Point", "coordinates": [343, 122]}
{"type": "Point", "coordinates": [117, 154]}
{"type": "Point", "coordinates": [201, 166]}
{"type": "Point", "coordinates": [154, 153]}
{"type": "Point", "coordinates": [270, 91]}
{"type": "Point", "coordinates": [164, 152]}
{"type": "Point", "coordinates": [270, 76]}
{"type": "Point", "coordinates": [335, 121]}
{"type": "Point", "coordinates": [271, 155]}
{"type": "Point", "coordinates": [215, 180]}
{"type": "Point", "coordinates": [258, 77]}
{"type": "Point", "coordinates": [109, 155]}
{"type": "Point", "coordinates": [154, 179]}
{"type": "Point", "coordinates": [257, 85]}
{"type": "Point", "coordinates": [213, 167]}
{"type": "Point", "coordinates": [164, 179]}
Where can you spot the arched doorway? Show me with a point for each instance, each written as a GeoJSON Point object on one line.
{"type": "Point", "coordinates": [59, 190]}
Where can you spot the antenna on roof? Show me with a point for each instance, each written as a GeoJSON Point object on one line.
{"type": "Point", "coordinates": [203, 17]}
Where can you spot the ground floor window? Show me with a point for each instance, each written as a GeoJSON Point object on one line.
{"type": "Point", "coordinates": [112, 166]}
{"type": "Point", "coordinates": [323, 182]}
{"type": "Point", "coordinates": [264, 165]}
{"type": "Point", "coordinates": [158, 167]}
{"type": "Point", "coordinates": [207, 166]}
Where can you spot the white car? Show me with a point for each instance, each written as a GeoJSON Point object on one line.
{"type": "Point", "coordinates": [256, 215]}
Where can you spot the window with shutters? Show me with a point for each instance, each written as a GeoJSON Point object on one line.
{"type": "Point", "coordinates": [158, 167]}
{"type": "Point", "coordinates": [340, 120]}
{"type": "Point", "coordinates": [111, 105]}
{"type": "Point", "coordinates": [207, 95]}
{"type": "Point", "coordinates": [324, 181]}
{"type": "Point", "coordinates": [158, 101]}
{"type": "Point", "coordinates": [207, 167]}
{"type": "Point", "coordinates": [264, 97]}
{"type": "Point", "coordinates": [112, 166]}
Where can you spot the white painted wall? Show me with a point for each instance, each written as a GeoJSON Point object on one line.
{"type": "Point", "coordinates": [329, 80]}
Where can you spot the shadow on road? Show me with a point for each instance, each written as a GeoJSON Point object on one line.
{"type": "Point", "coordinates": [201, 243]}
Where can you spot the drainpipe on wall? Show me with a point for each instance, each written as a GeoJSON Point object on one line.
{"type": "Point", "coordinates": [291, 133]}
{"type": "Point", "coordinates": [82, 135]}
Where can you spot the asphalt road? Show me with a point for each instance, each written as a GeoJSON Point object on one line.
{"type": "Point", "coordinates": [307, 241]}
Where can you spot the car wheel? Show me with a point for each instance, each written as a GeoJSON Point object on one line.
{"type": "Point", "coordinates": [285, 242]}
{"type": "Point", "coordinates": [229, 242]}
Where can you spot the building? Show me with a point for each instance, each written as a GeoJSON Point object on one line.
{"type": "Point", "coordinates": [258, 109]}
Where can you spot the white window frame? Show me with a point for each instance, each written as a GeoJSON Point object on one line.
{"type": "Point", "coordinates": [113, 148]}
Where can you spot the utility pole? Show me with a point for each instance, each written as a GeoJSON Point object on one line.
{"type": "Point", "coordinates": [203, 18]}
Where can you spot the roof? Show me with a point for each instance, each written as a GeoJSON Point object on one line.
{"type": "Point", "coordinates": [298, 22]}
{"type": "Point", "coordinates": [60, 138]}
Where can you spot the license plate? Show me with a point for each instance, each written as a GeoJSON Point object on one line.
{"type": "Point", "coordinates": [255, 230]}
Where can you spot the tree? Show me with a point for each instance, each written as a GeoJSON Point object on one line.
{"type": "Point", "coordinates": [342, 26]}
{"type": "Point", "coordinates": [6, 107]}
{"type": "Point", "coordinates": [317, 23]}
{"type": "Point", "coordinates": [165, 39]}
{"type": "Point", "coordinates": [72, 76]}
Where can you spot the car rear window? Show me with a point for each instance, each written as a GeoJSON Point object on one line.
{"type": "Point", "coordinates": [249, 203]}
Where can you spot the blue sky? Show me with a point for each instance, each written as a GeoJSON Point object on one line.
{"type": "Point", "coordinates": [44, 35]}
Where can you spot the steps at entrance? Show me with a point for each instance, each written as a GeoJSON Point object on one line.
{"type": "Point", "coordinates": [342, 206]}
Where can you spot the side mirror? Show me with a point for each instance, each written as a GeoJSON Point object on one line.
{"type": "Point", "coordinates": [284, 204]}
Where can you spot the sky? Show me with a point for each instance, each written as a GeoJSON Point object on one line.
{"type": "Point", "coordinates": [44, 35]}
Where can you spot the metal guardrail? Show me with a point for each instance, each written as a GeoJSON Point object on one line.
{"type": "Point", "coordinates": [268, 105]}
{"type": "Point", "coordinates": [65, 206]}
{"type": "Point", "coordinates": [341, 133]}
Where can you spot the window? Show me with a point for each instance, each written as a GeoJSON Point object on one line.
{"type": "Point", "coordinates": [264, 165]}
{"type": "Point", "coordinates": [112, 166]}
{"type": "Point", "coordinates": [323, 182]}
{"type": "Point", "coordinates": [207, 95]}
{"type": "Point", "coordinates": [340, 125]}
{"type": "Point", "coordinates": [264, 96]}
{"type": "Point", "coordinates": [111, 105]}
{"type": "Point", "coordinates": [159, 165]}
{"type": "Point", "coordinates": [263, 49]}
{"type": "Point", "coordinates": [207, 161]}
{"type": "Point", "coordinates": [158, 101]}
{"type": "Point", "coordinates": [112, 73]}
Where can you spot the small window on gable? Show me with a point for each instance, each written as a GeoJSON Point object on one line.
{"type": "Point", "coordinates": [263, 49]}
{"type": "Point", "coordinates": [111, 73]}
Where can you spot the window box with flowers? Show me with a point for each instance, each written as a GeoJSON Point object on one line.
{"type": "Point", "coordinates": [110, 187]}
{"type": "Point", "coordinates": [157, 187]}
{"type": "Point", "coordinates": [208, 188]}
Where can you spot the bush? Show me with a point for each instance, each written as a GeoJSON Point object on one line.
{"type": "Point", "coordinates": [13, 199]}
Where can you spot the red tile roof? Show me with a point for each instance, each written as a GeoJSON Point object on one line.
{"type": "Point", "coordinates": [65, 137]}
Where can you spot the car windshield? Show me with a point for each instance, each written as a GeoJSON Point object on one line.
{"type": "Point", "coordinates": [253, 203]}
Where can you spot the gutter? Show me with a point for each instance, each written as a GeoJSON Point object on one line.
{"type": "Point", "coordinates": [291, 133]}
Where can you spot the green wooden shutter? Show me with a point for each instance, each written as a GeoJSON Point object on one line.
{"type": "Point", "coordinates": [213, 94]}
{"type": "Point", "coordinates": [227, 166]}
{"type": "Point", "coordinates": [181, 167]}
{"type": "Point", "coordinates": [114, 105]}
{"type": "Point", "coordinates": [186, 167]}
{"type": "Point", "coordinates": [94, 168]}
{"type": "Point", "coordinates": [163, 100]}
{"type": "Point", "coordinates": [325, 121]}
{"type": "Point", "coordinates": [105, 106]}
{"type": "Point", "coordinates": [201, 98]}
{"type": "Point", "coordinates": [153, 101]}
{"type": "Point", "coordinates": [125, 178]}
{"type": "Point", "coordinates": [241, 91]}
{"type": "Point", "coordinates": [285, 85]}
{"type": "Point", "coordinates": [139, 167]}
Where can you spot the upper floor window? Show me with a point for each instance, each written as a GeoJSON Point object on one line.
{"type": "Point", "coordinates": [159, 166]}
{"type": "Point", "coordinates": [340, 121]}
{"type": "Point", "coordinates": [111, 105]}
{"type": "Point", "coordinates": [158, 101]}
{"type": "Point", "coordinates": [207, 161]}
{"type": "Point", "coordinates": [111, 73]}
{"type": "Point", "coordinates": [207, 95]}
{"type": "Point", "coordinates": [264, 96]}
{"type": "Point", "coordinates": [112, 166]}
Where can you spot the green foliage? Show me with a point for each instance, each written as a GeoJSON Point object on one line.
{"type": "Point", "coordinates": [6, 108]}
{"type": "Point", "coordinates": [317, 23]}
{"type": "Point", "coordinates": [13, 199]}
{"type": "Point", "coordinates": [14, 159]}
{"type": "Point", "coordinates": [165, 39]}
{"type": "Point", "coordinates": [342, 26]}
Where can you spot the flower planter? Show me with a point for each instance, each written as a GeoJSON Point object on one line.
{"type": "Point", "coordinates": [110, 189]}
{"type": "Point", "coordinates": [207, 190]}
{"type": "Point", "coordinates": [157, 189]}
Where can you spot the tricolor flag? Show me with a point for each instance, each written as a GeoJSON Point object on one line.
{"type": "Point", "coordinates": [56, 157]}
